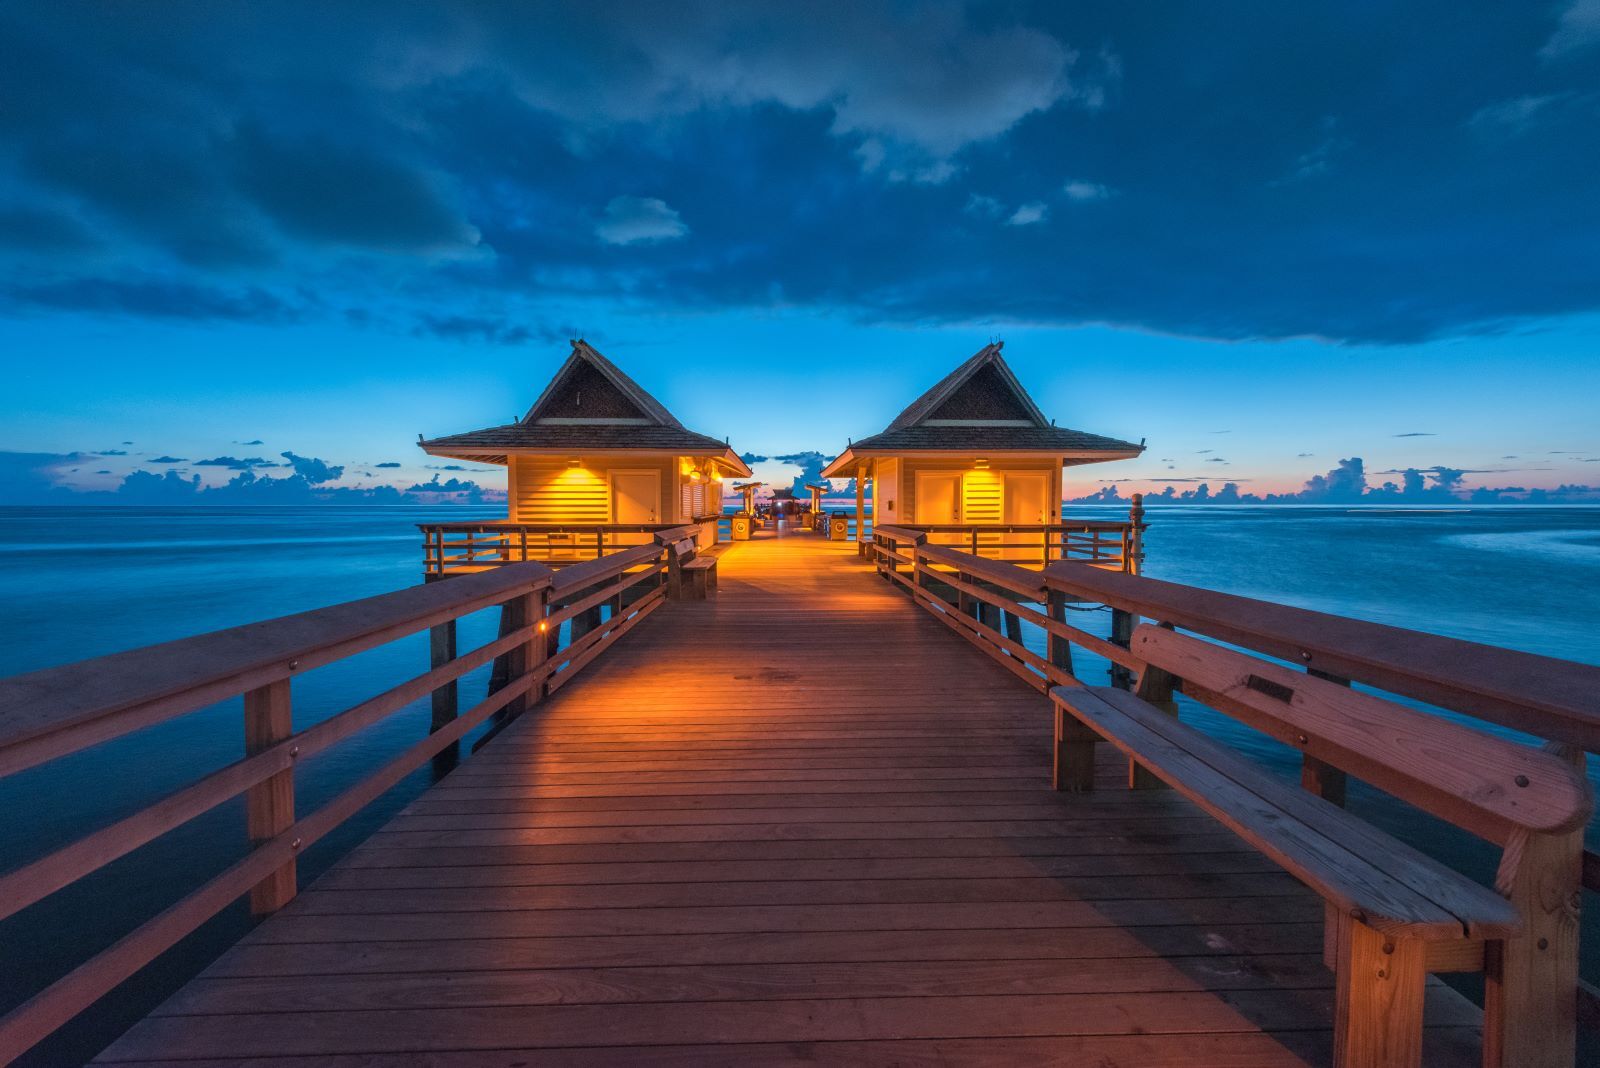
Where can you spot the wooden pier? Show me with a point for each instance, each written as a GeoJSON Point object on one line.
{"type": "Point", "coordinates": [799, 822]}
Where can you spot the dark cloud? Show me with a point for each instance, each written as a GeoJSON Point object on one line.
{"type": "Point", "coordinates": [1417, 434]}
{"type": "Point", "coordinates": [389, 463]}
{"type": "Point", "coordinates": [168, 460]}
{"type": "Point", "coordinates": [493, 331]}
{"type": "Point", "coordinates": [234, 463]}
{"type": "Point", "coordinates": [35, 230]}
{"type": "Point", "coordinates": [258, 441]}
{"type": "Point", "coordinates": [1347, 484]}
{"type": "Point", "coordinates": [34, 478]}
{"type": "Point", "coordinates": [149, 298]}
{"type": "Point", "coordinates": [325, 190]}
{"type": "Point", "coordinates": [112, 452]}
{"type": "Point", "coordinates": [313, 470]}
{"type": "Point", "coordinates": [833, 157]}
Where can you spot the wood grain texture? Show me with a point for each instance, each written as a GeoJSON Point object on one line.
{"type": "Point", "coordinates": [1479, 782]}
{"type": "Point", "coordinates": [799, 822]}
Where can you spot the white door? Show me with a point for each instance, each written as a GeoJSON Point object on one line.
{"type": "Point", "coordinates": [635, 496]}
{"type": "Point", "coordinates": [1024, 502]}
{"type": "Point", "coordinates": [1025, 498]}
{"type": "Point", "coordinates": [938, 497]}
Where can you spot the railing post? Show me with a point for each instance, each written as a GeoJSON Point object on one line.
{"type": "Point", "coordinates": [1060, 648]}
{"type": "Point", "coordinates": [674, 571]}
{"type": "Point", "coordinates": [1531, 981]}
{"type": "Point", "coordinates": [1319, 777]}
{"type": "Point", "coordinates": [526, 610]}
{"type": "Point", "coordinates": [1122, 624]}
{"type": "Point", "coordinates": [442, 650]}
{"type": "Point", "coordinates": [1133, 561]}
{"type": "Point", "coordinates": [269, 805]}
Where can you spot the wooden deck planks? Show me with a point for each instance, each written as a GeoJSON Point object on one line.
{"type": "Point", "coordinates": [799, 822]}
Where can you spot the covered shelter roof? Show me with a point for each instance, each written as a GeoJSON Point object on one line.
{"type": "Point", "coordinates": [979, 408]}
{"type": "Point", "coordinates": [589, 406]}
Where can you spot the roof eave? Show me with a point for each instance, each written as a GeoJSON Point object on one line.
{"type": "Point", "coordinates": [837, 466]}
{"type": "Point", "coordinates": [841, 465]}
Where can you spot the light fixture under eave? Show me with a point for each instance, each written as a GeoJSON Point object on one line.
{"type": "Point", "coordinates": [576, 461]}
{"type": "Point", "coordinates": [980, 463]}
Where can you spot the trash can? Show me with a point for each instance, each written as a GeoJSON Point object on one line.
{"type": "Point", "coordinates": [838, 526]}
{"type": "Point", "coordinates": [742, 525]}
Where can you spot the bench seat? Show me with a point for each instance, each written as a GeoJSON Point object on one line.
{"type": "Point", "coordinates": [1364, 873]}
{"type": "Point", "coordinates": [701, 576]}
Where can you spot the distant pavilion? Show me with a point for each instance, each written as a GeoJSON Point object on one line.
{"type": "Point", "coordinates": [974, 450]}
{"type": "Point", "coordinates": [596, 449]}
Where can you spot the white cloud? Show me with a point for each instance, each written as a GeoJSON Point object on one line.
{"type": "Point", "coordinates": [631, 220]}
{"type": "Point", "coordinates": [984, 207]}
{"type": "Point", "coordinates": [1028, 214]}
{"type": "Point", "coordinates": [1579, 29]}
{"type": "Point", "coordinates": [1078, 189]}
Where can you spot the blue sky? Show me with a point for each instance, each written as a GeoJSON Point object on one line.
{"type": "Point", "coordinates": [1264, 237]}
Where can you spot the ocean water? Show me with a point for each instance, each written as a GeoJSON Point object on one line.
{"type": "Point", "coordinates": [81, 582]}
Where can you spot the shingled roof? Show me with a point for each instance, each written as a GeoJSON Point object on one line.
{"type": "Point", "coordinates": [590, 405]}
{"type": "Point", "coordinates": [980, 407]}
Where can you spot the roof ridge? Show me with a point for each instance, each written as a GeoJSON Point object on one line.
{"type": "Point", "coordinates": [584, 352]}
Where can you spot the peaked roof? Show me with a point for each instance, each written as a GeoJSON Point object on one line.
{"type": "Point", "coordinates": [589, 405]}
{"type": "Point", "coordinates": [562, 398]}
{"type": "Point", "coordinates": [980, 407]}
{"type": "Point", "coordinates": [980, 382]}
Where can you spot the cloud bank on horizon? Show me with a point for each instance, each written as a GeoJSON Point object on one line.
{"type": "Point", "coordinates": [1349, 173]}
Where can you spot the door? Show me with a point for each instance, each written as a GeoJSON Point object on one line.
{"type": "Point", "coordinates": [635, 496]}
{"type": "Point", "coordinates": [1025, 498]}
{"type": "Point", "coordinates": [1025, 502]}
{"type": "Point", "coordinates": [938, 493]}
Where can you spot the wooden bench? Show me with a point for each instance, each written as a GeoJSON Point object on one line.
{"type": "Point", "coordinates": [700, 577]}
{"type": "Point", "coordinates": [1393, 914]}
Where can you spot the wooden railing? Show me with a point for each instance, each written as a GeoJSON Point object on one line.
{"type": "Point", "coordinates": [463, 548]}
{"type": "Point", "coordinates": [53, 713]}
{"type": "Point", "coordinates": [988, 602]}
{"type": "Point", "coordinates": [1106, 544]}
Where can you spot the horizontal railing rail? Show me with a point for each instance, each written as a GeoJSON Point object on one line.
{"type": "Point", "coordinates": [464, 548]}
{"type": "Point", "coordinates": [59, 711]}
{"type": "Point", "coordinates": [1109, 544]}
{"type": "Point", "coordinates": [987, 601]}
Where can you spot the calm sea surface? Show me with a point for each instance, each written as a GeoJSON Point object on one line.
{"type": "Point", "coordinates": [81, 582]}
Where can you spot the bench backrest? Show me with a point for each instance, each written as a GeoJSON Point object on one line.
{"type": "Point", "coordinates": [1486, 785]}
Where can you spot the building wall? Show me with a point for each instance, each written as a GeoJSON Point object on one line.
{"type": "Point", "coordinates": [548, 490]}
{"type": "Point", "coordinates": [982, 488]}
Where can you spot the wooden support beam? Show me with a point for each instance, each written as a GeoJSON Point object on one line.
{"type": "Point", "coordinates": [1060, 649]}
{"type": "Point", "coordinates": [1531, 982]}
{"type": "Point", "coordinates": [1156, 686]}
{"type": "Point", "coordinates": [269, 805]}
{"type": "Point", "coordinates": [442, 650]}
{"type": "Point", "coordinates": [1317, 776]}
{"type": "Point", "coordinates": [861, 503]}
{"type": "Point", "coordinates": [1073, 766]}
{"type": "Point", "coordinates": [1378, 1000]}
{"type": "Point", "coordinates": [1122, 624]}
